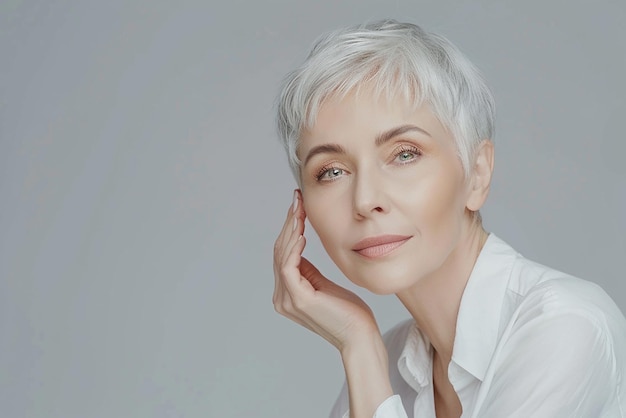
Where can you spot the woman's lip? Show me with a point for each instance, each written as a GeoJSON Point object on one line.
{"type": "Point", "coordinates": [380, 245]}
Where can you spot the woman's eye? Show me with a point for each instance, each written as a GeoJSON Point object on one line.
{"type": "Point", "coordinates": [330, 174]}
{"type": "Point", "coordinates": [407, 155]}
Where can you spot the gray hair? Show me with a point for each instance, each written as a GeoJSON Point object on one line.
{"type": "Point", "coordinates": [399, 59]}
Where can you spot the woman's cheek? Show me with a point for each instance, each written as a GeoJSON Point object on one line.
{"type": "Point", "coordinates": [324, 218]}
{"type": "Point", "coordinates": [312, 208]}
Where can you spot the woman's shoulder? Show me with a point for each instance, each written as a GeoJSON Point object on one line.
{"type": "Point", "coordinates": [563, 308]}
{"type": "Point", "coordinates": [566, 337]}
{"type": "Point", "coordinates": [547, 291]}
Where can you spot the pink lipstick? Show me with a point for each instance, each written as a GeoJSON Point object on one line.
{"type": "Point", "coordinates": [379, 246]}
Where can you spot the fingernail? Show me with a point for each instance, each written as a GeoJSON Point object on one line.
{"type": "Point", "coordinates": [295, 201]}
{"type": "Point", "coordinates": [295, 223]}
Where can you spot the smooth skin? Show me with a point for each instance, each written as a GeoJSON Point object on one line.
{"type": "Point", "coordinates": [373, 167]}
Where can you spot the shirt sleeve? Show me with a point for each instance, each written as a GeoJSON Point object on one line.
{"type": "Point", "coordinates": [390, 408]}
{"type": "Point", "coordinates": [557, 365]}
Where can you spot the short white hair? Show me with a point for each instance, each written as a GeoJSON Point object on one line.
{"type": "Point", "coordinates": [399, 59]}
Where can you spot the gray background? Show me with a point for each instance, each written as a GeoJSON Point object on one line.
{"type": "Point", "coordinates": [142, 187]}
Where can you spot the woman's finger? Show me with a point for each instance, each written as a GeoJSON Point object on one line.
{"type": "Point", "coordinates": [297, 229]}
{"type": "Point", "coordinates": [285, 232]}
{"type": "Point", "coordinates": [294, 283]}
{"type": "Point", "coordinates": [312, 274]}
{"type": "Point", "coordinates": [290, 270]}
{"type": "Point", "coordinates": [288, 249]}
{"type": "Point", "coordinates": [285, 246]}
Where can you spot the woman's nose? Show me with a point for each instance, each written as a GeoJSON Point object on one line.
{"type": "Point", "coordinates": [369, 195]}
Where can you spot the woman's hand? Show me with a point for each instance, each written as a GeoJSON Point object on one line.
{"type": "Point", "coordinates": [305, 296]}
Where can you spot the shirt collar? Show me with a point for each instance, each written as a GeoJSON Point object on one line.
{"type": "Point", "coordinates": [414, 364]}
{"type": "Point", "coordinates": [478, 321]}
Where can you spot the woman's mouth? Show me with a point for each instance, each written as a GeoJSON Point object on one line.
{"type": "Point", "coordinates": [379, 246]}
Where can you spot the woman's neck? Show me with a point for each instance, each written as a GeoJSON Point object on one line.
{"type": "Point", "coordinates": [434, 301]}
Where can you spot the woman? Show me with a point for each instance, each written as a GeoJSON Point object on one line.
{"type": "Point", "coordinates": [389, 133]}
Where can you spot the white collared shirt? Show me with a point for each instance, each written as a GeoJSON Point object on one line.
{"type": "Point", "coordinates": [531, 342]}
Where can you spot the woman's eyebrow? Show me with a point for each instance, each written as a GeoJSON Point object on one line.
{"type": "Point", "coordinates": [322, 149]}
{"type": "Point", "coordinates": [387, 135]}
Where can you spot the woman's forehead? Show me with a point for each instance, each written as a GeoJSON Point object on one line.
{"type": "Point", "coordinates": [366, 110]}
{"type": "Point", "coordinates": [368, 91]}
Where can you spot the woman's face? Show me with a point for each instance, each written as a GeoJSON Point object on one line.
{"type": "Point", "coordinates": [384, 189]}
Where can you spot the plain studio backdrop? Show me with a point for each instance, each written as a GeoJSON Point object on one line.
{"type": "Point", "coordinates": [142, 187]}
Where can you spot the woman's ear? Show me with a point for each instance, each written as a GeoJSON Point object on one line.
{"type": "Point", "coordinates": [480, 175]}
